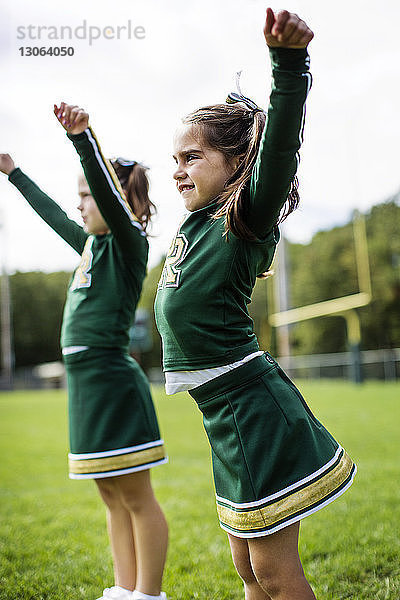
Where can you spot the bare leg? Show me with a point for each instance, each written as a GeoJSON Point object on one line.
{"type": "Point", "coordinates": [120, 532]}
{"type": "Point", "coordinates": [277, 567]}
{"type": "Point", "coordinates": [137, 529]}
{"type": "Point", "coordinates": [270, 566]}
{"type": "Point", "coordinates": [241, 560]}
{"type": "Point", "coordinates": [122, 548]}
{"type": "Point", "coordinates": [150, 531]}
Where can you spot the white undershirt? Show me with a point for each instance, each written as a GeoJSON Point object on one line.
{"type": "Point", "coordinates": [181, 381]}
{"type": "Point", "coordinates": [73, 349]}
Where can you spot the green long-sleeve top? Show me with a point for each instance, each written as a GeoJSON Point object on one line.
{"type": "Point", "coordinates": [207, 280]}
{"type": "Point", "coordinates": [106, 286]}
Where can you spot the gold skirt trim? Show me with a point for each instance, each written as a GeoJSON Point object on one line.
{"type": "Point", "coordinates": [114, 463]}
{"type": "Point", "coordinates": [267, 516]}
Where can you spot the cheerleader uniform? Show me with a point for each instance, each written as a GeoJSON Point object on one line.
{"type": "Point", "coordinates": [273, 461]}
{"type": "Point", "coordinates": [112, 422]}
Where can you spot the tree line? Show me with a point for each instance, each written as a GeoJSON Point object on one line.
{"type": "Point", "coordinates": [320, 270]}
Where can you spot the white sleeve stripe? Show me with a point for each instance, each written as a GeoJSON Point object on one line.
{"type": "Point", "coordinates": [110, 181]}
{"type": "Point", "coordinates": [303, 116]}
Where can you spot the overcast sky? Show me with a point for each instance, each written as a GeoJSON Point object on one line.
{"type": "Point", "coordinates": [185, 55]}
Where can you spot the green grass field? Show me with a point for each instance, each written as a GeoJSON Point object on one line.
{"type": "Point", "coordinates": [53, 542]}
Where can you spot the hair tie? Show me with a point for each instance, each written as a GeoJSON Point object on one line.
{"type": "Point", "coordinates": [234, 97]}
{"type": "Point", "coordinates": [124, 162]}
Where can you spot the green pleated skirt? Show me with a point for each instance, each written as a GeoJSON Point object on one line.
{"type": "Point", "coordinates": [273, 462]}
{"type": "Point", "coordinates": [113, 426]}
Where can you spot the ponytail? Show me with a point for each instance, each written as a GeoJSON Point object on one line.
{"type": "Point", "coordinates": [135, 183]}
{"type": "Point", "coordinates": [232, 200]}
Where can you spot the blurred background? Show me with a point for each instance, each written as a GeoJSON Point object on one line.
{"type": "Point", "coordinates": [136, 88]}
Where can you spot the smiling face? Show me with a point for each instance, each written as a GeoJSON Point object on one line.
{"type": "Point", "coordinates": [201, 172]}
{"type": "Point", "coordinates": [92, 218]}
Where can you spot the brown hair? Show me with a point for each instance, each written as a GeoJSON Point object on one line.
{"type": "Point", "coordinates": [236, 130]}
{"type": "Point", "coordinates": [134, 181]}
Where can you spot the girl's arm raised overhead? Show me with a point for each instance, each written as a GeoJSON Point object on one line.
{"type": "Point", "coordinates": [45, 207]}
{"type": "Point", "coordinates": [287, 37]}
{"type": "Point", "coordinates": [101, 177]}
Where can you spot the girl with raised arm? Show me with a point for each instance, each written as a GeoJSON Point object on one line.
{"type": "Point", "coordinates": [114, 434]}
{"type": "Point", "coordinates": [273, 461]}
